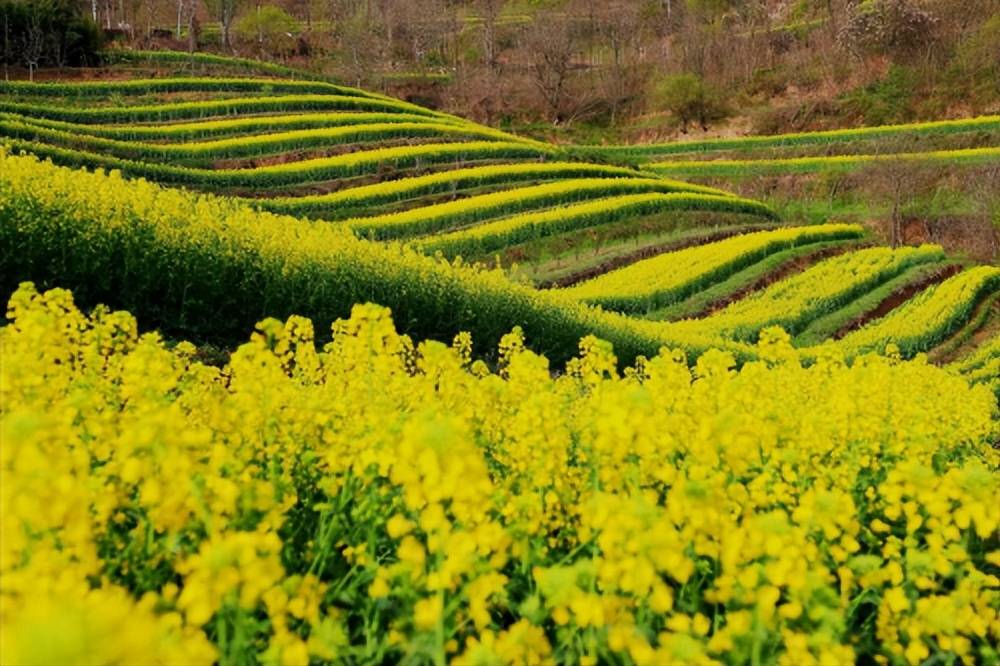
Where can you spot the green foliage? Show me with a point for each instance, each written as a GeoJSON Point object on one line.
{"type": "Point", "coordinates": [647, 152]}
{"type": "Point", "coordinates": [279, 175]}
{"type": "Point", "coordinates": [689, 99]}
{"type": "Point", "coordinates": [209, 267]}
{"type": "Point", "coordinates": [975, 70]}
{"type": "Point", "coordinates": [832, 164]}
{"type": "Point", "coordinates": [204, 153]}
{"type": "Point", "coordinates": [273, 27]}
{"type": "Point", "coordinates": [142, 87]}
{"type": "Point", "coordinates": [483, 239]}
{"type": "Point", "coordinates": [209, 61]}
{"type": "Point", "coordinates": [889, 100]}
{"type": "Point", "coordinates": [210, 108]}
{"type": "Point", "coordinates": [47, 33]}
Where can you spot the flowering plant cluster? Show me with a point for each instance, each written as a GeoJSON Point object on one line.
{"type": "Point", "coordinates": [379, 500]}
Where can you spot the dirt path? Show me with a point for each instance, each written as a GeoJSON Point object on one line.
{"type": "Point", "coordinates": [897, 298]}
{"type": "Point", "coordinates": [949, 351]}
{"type": "Point", "coordinates": [788, 268]}
{"type": "Point", "coordinates": [646, 253]}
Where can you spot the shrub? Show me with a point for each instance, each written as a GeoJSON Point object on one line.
{"type": "Point", "coordinates": [688, 98]}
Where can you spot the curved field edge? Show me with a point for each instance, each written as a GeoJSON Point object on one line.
{"type": "Point", "coordinates": [830, 164]}
{"type": "Point", "coordinates": [828, 286]}
{"type": "Point", "coordinates": [257, 145]}
{"type": "Point", "coordinates": [927, 319]}
{"type": "Point", "coordinates": [238, 126]}
{"type": "Point", "coordinates": [353, 201]}
{"type": "Point", "coordinates": [665, 280]}
{"type": "Point", "coordinates": [215, 108]}
{"type": "Point", "coordinates": [210, 268]}
{"type": "Point", "coordinates": [140, 87]}
{"type": "Point", "coordinates": [314, 170]}
{"type": "Point", "coordinates": [120, 56]}
{"type": "Point", "coordinates": [646, 151]}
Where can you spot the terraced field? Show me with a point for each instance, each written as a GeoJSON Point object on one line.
{"type": "Point", "coordinates": [964, 142]}
{"type": "Point", "coordinates": [683, 258]}
{"type": "Point", "coordinates": [619, 458]}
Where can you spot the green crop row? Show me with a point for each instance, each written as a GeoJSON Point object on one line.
{"type": "Point", "coordinates": [829, 325]}
{"type": "Point", "coordinates": [214, 129]}
{"type": "Point", "coordinates": [736, 284]}
{"type": "Point", "coordinates": [356, 200]}
{"type": "Point", "coordinates": [209, 267]}
{"type": "Point", "coordinates": [212, 108]}
{"type": "Point", "coordinates": [829, 164]}
{"type": "Point", "coordinates": [452, 214]}
{"type": "Point", "coordinates": [983, 365]}
{"type": "Point", "coordinates": [174, 85]}
{"type": "Point", "coordinates": [980, 358]}
{"type": "Point", "coordinates": [117, 56]}
{"type": "Point", "coordinates": [485, 238]}
{"type": "Point", "coordinates": [928, 318]}
{"type": "Point", "coordinates": [293, 173]}
{"type": "Point", "coordinates": [657, 282]}
{"type": "Point", "coordinates": [644, 152]}
{"type": "Point", "coordinates": [798, 300]}
{"type": "Point", "coordinates": [253, 146]}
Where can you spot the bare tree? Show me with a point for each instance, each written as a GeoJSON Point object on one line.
{"type": "Point", "coordinates": [225, 12]}
{"type": "Point", "coordinates": [488, 13]}
{"type": "Point", "coordinates": [899, 179]}
{"type": "Point", "coordinates": [7, 51]}
{"type": "Point", "coordinates": [618, 27]}
{"type": "Point", "coordinates": [550, 46]}
{"type": "Point", "coordinates": [34, 39]}
{"type": "Point", "coordinates": [985, 196]}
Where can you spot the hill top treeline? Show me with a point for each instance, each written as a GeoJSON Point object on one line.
{"type": "Point", "coordinates": [656, 66]}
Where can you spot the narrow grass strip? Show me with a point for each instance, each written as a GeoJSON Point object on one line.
{"type": "Point", "coordinates": [254, 146]}
{"type": "Point", "coordinates": [486, 238]}
{"type": "Point", "coordinates": [824, 288]}
{"type": "Point", "coordinates": [438, 217]}
{"type": "Point", "coordinates": [136, 87]}
{"type": "Point", "coordinates": [645, 151]}
{"type": "Point", "coordinates": [927, 319]}
{"type": "Point", "coordinates": [669, 278]}
{"type": "Point", "coordinates": [151, 113]}
{"type": "Point", "coordinates": [739, 283]}
{"type": "Point", "coordinates": [353, 201]}
{"type": "Point", "coordinates": [121, 56]}
{"type": "Point", "coordinates": [214, 129]}
{"type": "Point", "coordinates": [829, 325]}
{"type": "Point", "coordinates": [293, 173]}
{"type": "Point", "coordinates": [830, 164]}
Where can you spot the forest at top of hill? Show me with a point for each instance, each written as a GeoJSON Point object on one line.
{"type": "Point", "coordinates": [586, 71]}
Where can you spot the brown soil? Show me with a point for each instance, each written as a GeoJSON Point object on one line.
{"type": "Point", "coordinates": [990, 326]}
{"type": "Point", "coordinates": [790, 267]}
{"type": "Point", "coordinates": [897, 298]}
{"type": "Point", "coordinates": [645, 253]}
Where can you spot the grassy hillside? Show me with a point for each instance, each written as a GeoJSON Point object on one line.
{"type": "Point", "coordinates": [501, 403]}
{"type": "Point", "coordinates": [367, 166]}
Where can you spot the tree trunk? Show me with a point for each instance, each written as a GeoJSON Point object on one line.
{"type": "Point", "coordinates": [260, 34]}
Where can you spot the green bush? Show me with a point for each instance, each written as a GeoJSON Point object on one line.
{"type": "Point", "coordinates": [889, 100]}
{"type": "Point", "coordinates": [274, 28]}
{"type": "Point", "coordinates": [689, 99]}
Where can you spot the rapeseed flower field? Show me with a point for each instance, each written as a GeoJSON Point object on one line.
{"type": "Point", "coordinates": [388, 500]}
